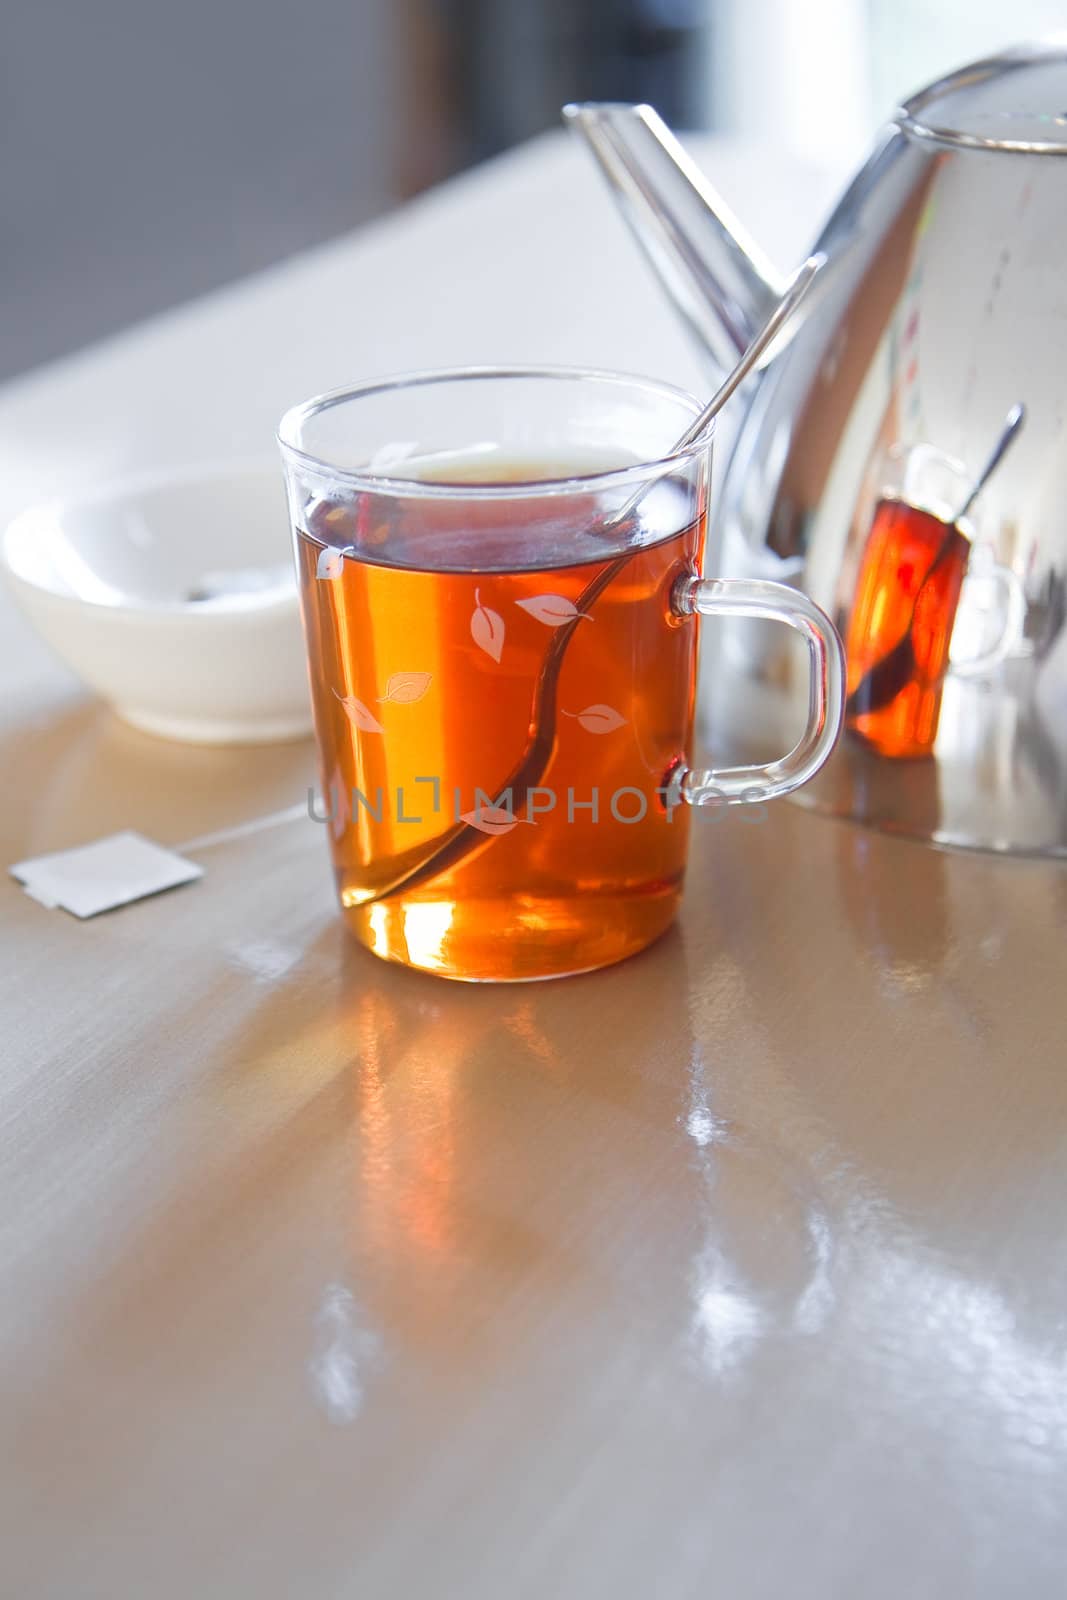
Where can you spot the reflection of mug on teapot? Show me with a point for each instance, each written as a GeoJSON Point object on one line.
{"type": "Point", "coordinates": [913, 564]}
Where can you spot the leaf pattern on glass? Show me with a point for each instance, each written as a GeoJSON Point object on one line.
{"type": "Point", "coordinates": [552, 609]}
{"type": "Point", "coordinates": [598, 719]}
{"type": "Point", "coordinates": [331, 562]}
{"type": "Point", "coordinates": [360, 715]}
{"type": "Point", "coordinates": [487, 628]}
{"type": "Point", "coordinates": [490, 819]}
{"type": "Point", "coordinates": [404, 688]}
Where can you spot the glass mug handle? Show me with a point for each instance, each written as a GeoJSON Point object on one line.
{"type": "Point", "coordinates": [986, 661]}
{"type": "Point", "coordinates": [771, 602]}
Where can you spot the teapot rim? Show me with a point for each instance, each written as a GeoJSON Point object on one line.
{"type": "Point", "coordinates": [910, 117]}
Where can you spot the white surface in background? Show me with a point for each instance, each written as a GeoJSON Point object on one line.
{"type": "Point", "coordinates": [797, 76]}
{"type": "Point", "coordinates": [817, 80]}
{"type": "Point", "coordinates": [525, 259]}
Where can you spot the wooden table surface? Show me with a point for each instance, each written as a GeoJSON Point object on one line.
{"type": "Point", "coordinates": [735, 1270]}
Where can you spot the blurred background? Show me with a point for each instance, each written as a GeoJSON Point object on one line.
{"type": "Point", "coordinates": [152, 152]}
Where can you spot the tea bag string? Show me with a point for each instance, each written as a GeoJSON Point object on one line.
{"type": "Point", "coordinates": [240, 830]}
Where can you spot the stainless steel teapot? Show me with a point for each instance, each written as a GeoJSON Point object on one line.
{"type": "Point", "coordinates": [944, 305]}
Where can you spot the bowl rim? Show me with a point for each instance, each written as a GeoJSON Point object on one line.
{"type": "Point", "coordinates": [235, 609]}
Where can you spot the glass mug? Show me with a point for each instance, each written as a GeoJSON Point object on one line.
{"type": "Point", "coordinates": [499, 583]}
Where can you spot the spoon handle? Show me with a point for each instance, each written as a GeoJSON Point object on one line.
{"type": "Point", "coordinates": [796, 289]}
{"type": "Point", "coordinates": [1012, 423]}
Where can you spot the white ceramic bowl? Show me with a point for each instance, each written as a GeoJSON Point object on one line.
{"type": "Point", "coordinates": [175, 599]}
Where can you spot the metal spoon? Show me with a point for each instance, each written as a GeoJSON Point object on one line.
{"type": "Point", "coordinates": [796, 289]}
{"type": "Point", "coordinates": [1012, 423]}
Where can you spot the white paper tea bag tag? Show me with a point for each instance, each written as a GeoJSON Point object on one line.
{"type": "Point", "coordinates": [110, 872]}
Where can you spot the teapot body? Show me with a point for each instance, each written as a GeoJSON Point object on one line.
{"type": "Point", "coordinates": [946, 306]}
{"type": "Point", "coordinates": [941, 309]}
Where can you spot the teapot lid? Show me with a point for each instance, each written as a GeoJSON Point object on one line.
{"type": "Point", "coordinates": [1016, 101]}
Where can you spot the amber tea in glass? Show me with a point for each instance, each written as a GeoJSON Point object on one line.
{"type": "Point", "coordinates": [499, 584]}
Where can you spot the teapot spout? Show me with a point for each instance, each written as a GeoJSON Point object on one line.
{"type": "Point", "coordinates": [716, 277]}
